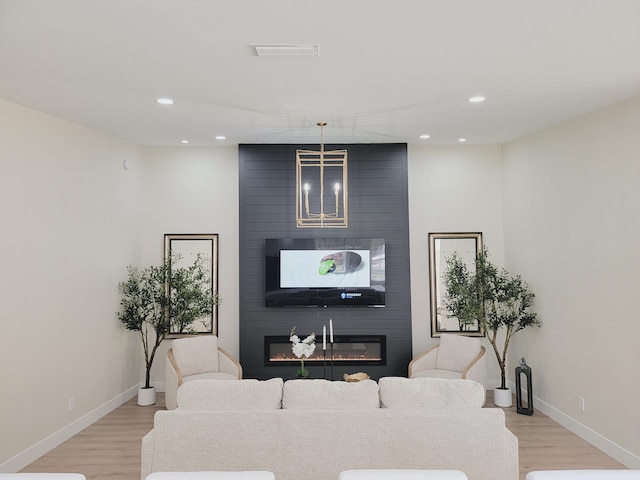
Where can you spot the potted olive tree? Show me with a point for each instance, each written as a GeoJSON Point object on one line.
{"type": "Point", "coordinates": [158, 300]}
{"type": "Point", "coordinates": [496, 300]}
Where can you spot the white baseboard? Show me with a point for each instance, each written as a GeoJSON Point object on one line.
{"type": "Point", "coordinates": [31, 454]}
{"type": "Point", "coordinates": [612, 449]}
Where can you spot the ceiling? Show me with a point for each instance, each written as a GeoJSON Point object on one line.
{"type": "Point", "coordinates": [387, 71]}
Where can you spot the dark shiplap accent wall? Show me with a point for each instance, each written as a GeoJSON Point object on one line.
{"type": "Point", "coordinates": [378, 208]}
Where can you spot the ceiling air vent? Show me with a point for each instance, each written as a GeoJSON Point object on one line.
{"type": "Point", "coordinates": [286, 49]}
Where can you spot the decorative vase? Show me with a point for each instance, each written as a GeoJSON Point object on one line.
{"type": "Point", "coordinates": [146, 396]}
{"type": "Point", "coordinates": [502, 397]}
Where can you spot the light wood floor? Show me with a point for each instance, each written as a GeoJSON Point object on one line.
{"type": "Point", "coordinates": [110, 448]}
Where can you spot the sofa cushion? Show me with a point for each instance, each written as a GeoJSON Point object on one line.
{"type": "Point", "coordinates": [395, 474]}
{"type": "Point", "coordinates": [583, 475]}
{"type": "Point", "coordinates": [419, 393]}
{"type": "Point", "coordinates": [455, 352]}
{"type": "Point", "coordinates": [197, 354]}
{"type": "Point", "coordinates": [246, 475]}
{"type": "Point", "coordinates": [248, 394]}
{"type": "Point", "coordinates": [320, 394]}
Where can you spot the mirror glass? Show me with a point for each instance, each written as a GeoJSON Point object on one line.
{"type": "Point", "coordinates": [441, 247]}
{"type": "Point", "coordinates": [186, 248]}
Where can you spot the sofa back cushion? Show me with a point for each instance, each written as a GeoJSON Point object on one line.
{"type": "Point", "coordinates": [420, 393]}
{"type": "Point", "coordinates": [327, 395]}
{"type": "Point", "coordinates": [197, 354]}
{"type": "Point", "coordinates": [455, 352]}
{"type": "Point", "coordinates": [248, 394]}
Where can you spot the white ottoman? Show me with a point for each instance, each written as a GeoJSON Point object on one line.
{"type": "Point", "coordinates": [392, 474]}
{"type": "Point", "coordinates": [42, 476]}
{"type": "Point", "coordinates": [584, 475]}
{"type": "Point", "coordinates": [248, 475]}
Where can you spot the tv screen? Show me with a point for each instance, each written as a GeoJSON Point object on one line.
{"type": "Point", "coordinates": [313, 272]}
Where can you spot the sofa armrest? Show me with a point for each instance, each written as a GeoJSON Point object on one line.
{"type": "Point", "coordinates": [512, 466]}
{"type": "Point", "coordinates": [146, 455]}
{"type": "Point", "coordinates": [172, 380]}
{"type": "Point", "coordinates": [228, 364]}
{"type": "Point", "coordinates": [424, 361]}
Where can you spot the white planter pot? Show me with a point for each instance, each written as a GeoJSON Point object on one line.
{"type": "Point", "coordinates": [146, 396]}
{"type": "Point", "coordinates": [502, 397]}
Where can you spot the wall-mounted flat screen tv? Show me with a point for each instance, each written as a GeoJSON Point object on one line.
{"type": "Point", "coordinates": [325, 272]}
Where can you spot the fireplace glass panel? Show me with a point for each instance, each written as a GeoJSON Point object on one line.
{"type": "Point", "coordinates": [347, 349]}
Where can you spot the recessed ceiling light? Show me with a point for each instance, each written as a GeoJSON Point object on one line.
{"type": "Point", "coordinates": [165, 101]}
{"type": "Point", "coordinates": [476, 99]}
{"type": "Point", "coordinates": [220, 137]}
{"type": "Point", "coordinates": [184, 141]}
{"type": "Point", "coordinates": [424, 136]}
{"type": "Point", "coordinates": [462, 140]}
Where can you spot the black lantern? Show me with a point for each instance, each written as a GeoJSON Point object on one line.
{"type": "Point", "coordinates": [524, 369]}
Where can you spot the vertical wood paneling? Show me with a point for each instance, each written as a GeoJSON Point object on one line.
{"type": "Point", "coordinates": [378, 207]}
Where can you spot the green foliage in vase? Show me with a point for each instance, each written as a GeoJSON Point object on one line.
{"type": "Point", "coordinates": [158, 300]}
{"type": "Point", "coordinates": [492, 298]}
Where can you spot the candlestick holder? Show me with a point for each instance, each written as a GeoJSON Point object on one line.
{"type": "Point", "coordinates": [331, 361]}
{"type": "Point", "coordinates": [324, 363]}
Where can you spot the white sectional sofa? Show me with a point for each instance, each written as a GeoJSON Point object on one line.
{"type": "Point", "coordinates": [315, 429]}
{"type": "Point", "coordinates": [584, 475]}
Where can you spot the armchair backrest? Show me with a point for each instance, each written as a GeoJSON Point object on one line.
{"type": "Point", "coordinates": [455, 352]}
{"type": "Point", "coordinates": [198, 354]}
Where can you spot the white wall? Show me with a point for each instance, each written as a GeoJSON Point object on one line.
{"type": "Point", "coordinates": [572, 229]}
{"type": "Point", "coordinates": [195, 190]}
{"type": "Point", "coordinates": [69, 227]}
{"type": "Point", "coordinates": [451, 189]}
{"type": "Point", "coordinates": [73, 218]}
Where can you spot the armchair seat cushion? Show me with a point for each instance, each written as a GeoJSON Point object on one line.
{"type": "Point", "coordinates": [209, 376]}
{"type": "Point", "coordinates": [448, 374]}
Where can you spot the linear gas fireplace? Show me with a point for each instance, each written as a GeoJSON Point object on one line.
{"type": "Point", "coordinates": [347, 350]}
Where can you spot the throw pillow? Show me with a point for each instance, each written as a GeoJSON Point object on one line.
{"type": "Point", "coordinates": [456, 352]}
{"type": "Point", "coordinates": [195, 355]}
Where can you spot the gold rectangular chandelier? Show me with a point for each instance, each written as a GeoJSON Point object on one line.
{"type": "Point", "coordinates": [321, 187]}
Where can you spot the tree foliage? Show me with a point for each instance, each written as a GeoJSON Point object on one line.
{"type": "Point", "coordinates": [491, 297]}
{"type": "Point", "coordinates": [158, 300]}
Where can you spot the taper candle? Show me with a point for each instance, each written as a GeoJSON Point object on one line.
{"type": "Point", "coordinates": [306, 198]}
{"type": "Point", "coordinates": [324, 337]}
{"type": "Point", "coordinates": [331, 330]}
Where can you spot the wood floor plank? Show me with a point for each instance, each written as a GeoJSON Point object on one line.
{"type": "Point", "coordinates": [110, 448]}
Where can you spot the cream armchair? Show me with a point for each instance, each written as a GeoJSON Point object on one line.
{"type": "Point", "coordinates": [196, 358]}
{"type": "Point", "coordinates": [456, 356]}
